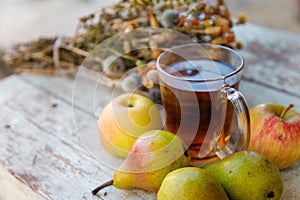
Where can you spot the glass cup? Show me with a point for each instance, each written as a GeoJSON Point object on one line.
{"type": "Point", "coordinates": [201, 102]}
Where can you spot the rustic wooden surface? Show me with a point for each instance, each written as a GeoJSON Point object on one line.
{"type": "Point", "coordinates": [46, 150]}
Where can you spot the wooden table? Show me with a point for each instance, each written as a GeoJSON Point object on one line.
{"type": "Point", "coordinates": [44, 132]}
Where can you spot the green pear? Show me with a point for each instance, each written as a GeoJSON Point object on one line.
{"type": "Point", "coordinates": [153, 155]}
{"type": "Point", "coordinates": [248, 175]}
{"type": "Point", "coordinates": [190, 183]}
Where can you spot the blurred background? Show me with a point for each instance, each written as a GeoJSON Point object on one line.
{"type": "Point", "coordinates": [24, 20]}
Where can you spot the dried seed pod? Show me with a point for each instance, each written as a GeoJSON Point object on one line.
{"type": "Point", "coordinates": [238, 45]}
{"type": "Point", "coordinates": [229, 38]}
{"type": "Point", "coordinates": [153, 20]}
{"type": "Point", "coordinates": [155, 51]}
{"type": "Point", "coordinates": [213, 30]}
{"type": "Point", "coordinates": [224, 28]}
{"type": "Point", "coordinates": [218, 21]}
{"type": "Point", "coordinates": [242, 18]}
{"type": "Point", "coordinates": [218, 40]}
{"type": "Point", "coordinates": [207, 23]}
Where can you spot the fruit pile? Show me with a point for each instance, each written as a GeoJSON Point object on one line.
{"type": "Point", "coordinates": [242, 175]}
{"type": "Point", "coordinates": [157, 160]}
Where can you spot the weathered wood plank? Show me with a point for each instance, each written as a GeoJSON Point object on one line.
{"type": "Point", "coordinates": [291, 180]}
{"type": "Point", "coordinates": [257, 94]}
{"type": "Point", "coordinates": [12, 188]}
{"type": "Point", "coordinates": [83, 92]}
{"type": "Point", "coordinates": [40, 147]}
{"type": "Point", "coordinates": [271, 57]}
{"type": "Point", "coordinates": [6, 90]}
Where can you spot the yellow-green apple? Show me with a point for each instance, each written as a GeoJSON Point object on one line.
{"type": "Point", "coordinates": [124, 119]}
{"type": "Point", "coordinates": [275, 133]}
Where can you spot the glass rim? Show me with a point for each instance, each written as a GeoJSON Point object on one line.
{"type": "Point", "coordinates": [236, 71]}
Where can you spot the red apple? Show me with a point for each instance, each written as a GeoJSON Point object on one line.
{"type": "Point", "coordinates": [275, 133]}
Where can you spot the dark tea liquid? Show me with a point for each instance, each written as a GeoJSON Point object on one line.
{"type": "Point", "coordinates": [180, 102]}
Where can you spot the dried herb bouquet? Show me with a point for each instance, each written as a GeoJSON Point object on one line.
{"type": "Point", "coordinates": [201, 20]}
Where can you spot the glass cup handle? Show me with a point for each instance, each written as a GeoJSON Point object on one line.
{"type": "Point", "coordinates": [243, 122]}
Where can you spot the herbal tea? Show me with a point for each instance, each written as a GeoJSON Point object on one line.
{"type": "Point", "coordinates": [178, 102]}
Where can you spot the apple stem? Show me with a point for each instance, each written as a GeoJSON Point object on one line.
{"type": "Point", "coordinates": [286, 109]}
{"type": "Point", "coordinates": [100, 187]}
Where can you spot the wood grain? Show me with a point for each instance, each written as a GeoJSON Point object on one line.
{"type": "Point", "coordinates": [271, 57]}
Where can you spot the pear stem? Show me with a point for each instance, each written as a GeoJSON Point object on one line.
{"type": "Point", "coordinates": [286, 110]}
{"type": "Point", "coordinates": [100, 187]}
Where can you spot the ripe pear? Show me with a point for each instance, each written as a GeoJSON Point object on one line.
{"type": "Point", "coordinates": [153, 155]}
{"type": "Point", "coordinates": [190, 183]}
{"type": "Point", "coordinates": [247, 175]}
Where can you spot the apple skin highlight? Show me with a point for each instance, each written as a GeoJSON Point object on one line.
{"type": "Point", "coordinates": [124, 119]}
{"type": "Point", "coordinates": [277, 138]}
